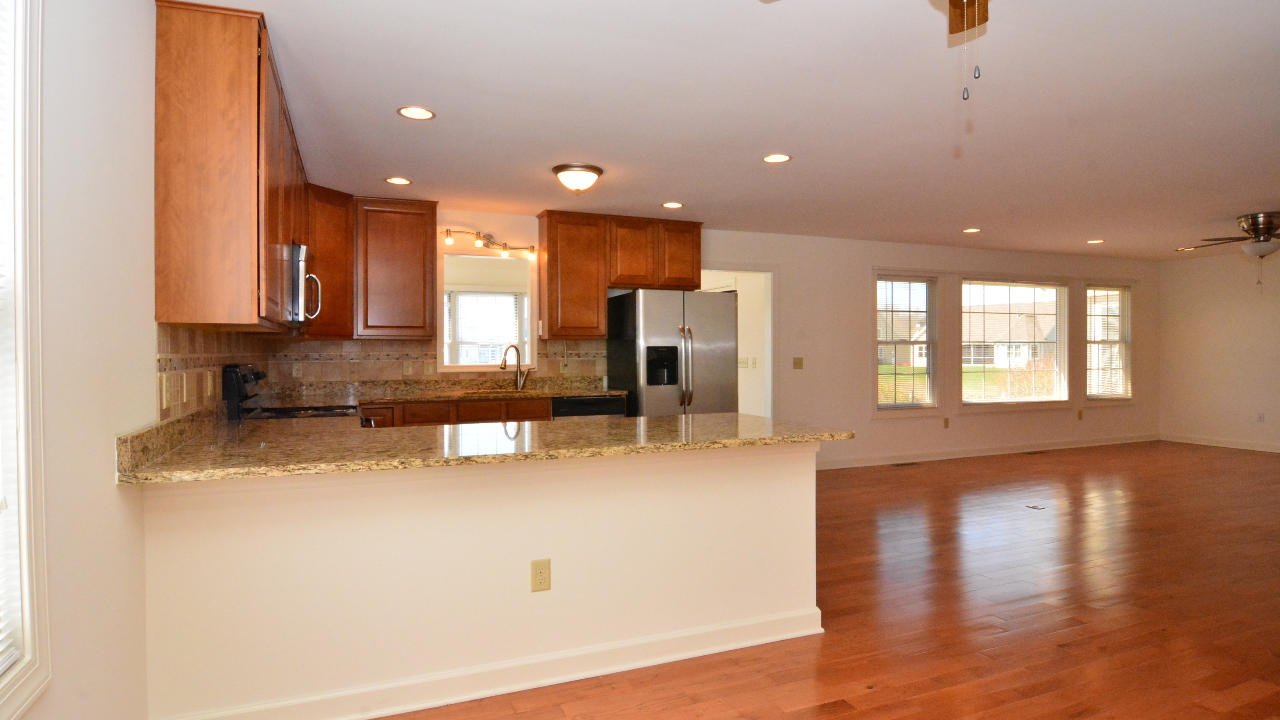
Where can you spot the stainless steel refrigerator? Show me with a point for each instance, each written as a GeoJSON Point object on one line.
{"type": "Point", "coordinates": [674, 352]}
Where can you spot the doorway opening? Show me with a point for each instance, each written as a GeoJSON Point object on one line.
{"type": "Point", "coordinates": [755, 334]}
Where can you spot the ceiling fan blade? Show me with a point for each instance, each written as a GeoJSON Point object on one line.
{"type": "Point", "coordinates": [1214, 241]}
{"type": "Point", "coordinates": [967, 15]}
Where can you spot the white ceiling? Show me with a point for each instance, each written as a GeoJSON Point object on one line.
{"type": "Point", "coordinates": [1147, 123]}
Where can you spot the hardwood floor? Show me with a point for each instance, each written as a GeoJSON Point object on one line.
{"type": "Point", "coordinates": [1132, 581]}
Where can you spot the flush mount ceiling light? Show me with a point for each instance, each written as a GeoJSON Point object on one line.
{"type": "Point", "coordinates": [414, 112]}
{"type": "Point", "coordinates": [973, 230]}
{"type": "Point", "coordinates": [398, 181]}
{"type": "Point", "coordinates": [672, 205]}
{"type": "Point", "coordinates": [578, 178]}
{"type": "Point", "coordinates": [1095, 242]}
{"type": "Point", "coordinates": [777, 158]}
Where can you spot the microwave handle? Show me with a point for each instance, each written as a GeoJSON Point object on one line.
{"type": "Point", "coordinates": [319, 297]}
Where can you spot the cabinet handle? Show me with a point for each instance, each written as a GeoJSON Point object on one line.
{"type": "Point", "coordinates": [319, 297]}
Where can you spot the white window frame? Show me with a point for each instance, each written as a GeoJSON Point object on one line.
{"type": "Point", "coordinates": [1064, 345]}
{"type": "Point", "coordinates": [450, 342]}
{"type": "Point", "coordinates": [529, 359]}
{"type": "Point", "coordinates": [1126, 340]}
{"type": "Point", "coordinates": [931, 343]}
{"type": "Point", "coordinates": [22, 682]}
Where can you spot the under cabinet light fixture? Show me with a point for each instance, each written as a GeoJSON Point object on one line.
{"type": "Point", "coordinates": [398, 181]}
{"type": "Point", "coordinates": [973, 230]}
{"type": "Point", "coordinates": [776, 158]}
{"type": "Point", "coordinates": [1094, 242]}
{"type": "Point", "coordinates": [673, 205]}
{"type": "Point", "coordinates": [414, 112]}
{"type": "Point", "coordinates": [577, 177]}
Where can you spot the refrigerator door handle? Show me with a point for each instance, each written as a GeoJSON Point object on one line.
{"type": "Point", "coordinates": [680, 368]}
{"type": "Point", "coordinates": [689, 374]}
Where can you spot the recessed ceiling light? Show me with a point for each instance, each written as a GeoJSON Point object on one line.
{"type": "Point", "coordinates": [398, 181]}
{"type": "Point", "coordinates": [578, 178]}
{"type": "Point", "coordinates": [1095, 242]}
{"type": "Point", "coordinates": [973, 230]}
{"type": "Point", "coordinates": [779, 158]}
{"type": "Point", "coordinates": [414, 112]}
{"type": "Point", "coordinates": [672, 205]}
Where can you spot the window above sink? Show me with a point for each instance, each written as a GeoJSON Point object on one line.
{"type": "Point", "coordinates": [488, 295]}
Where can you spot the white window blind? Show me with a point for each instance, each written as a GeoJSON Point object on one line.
{"type": "Point", "coordinates": [905, 335]}
{"type": "Point", "coordinates": [478, 325]}
{"type": "Point", "coordinates": [1107, 315]}
{"type": "Point", "coordinates": [1013, 342]}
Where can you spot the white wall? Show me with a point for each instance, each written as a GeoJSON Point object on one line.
{"type": "Point", "coordinates": [824, 295]}
{"type": "Point", "coordinates": [99, 346]}
{"type": "Point", "coordinates": [755, 336]}
{"type": "Point", "coordinates": [360, 595]}
{"type": "Point", "coordinates": [1221, 351]}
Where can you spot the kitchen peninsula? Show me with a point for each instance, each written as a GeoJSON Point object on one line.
{"type": "Point", "coordinates": [287, 579]}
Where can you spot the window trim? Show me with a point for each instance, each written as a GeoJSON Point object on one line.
{"type": "Point", "coordinates": [23, 683]}
{"type": "Point", "coordinates": [1126, 332]}
{"type": "Point", "coordinates": [934, 408]}
{"type": "Point", "coordinates": [1064, 345]}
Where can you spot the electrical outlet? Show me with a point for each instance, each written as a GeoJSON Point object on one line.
{"type": "Point", "coordinates": [186, 393]}
{"type": "Point", "coordinates": [540, 575]}
{"type": "Point", "coordinates": [1262, 417]}
{"type": "Point", "coordinates": [208, 384]}
{"type": "Point", "coordinates": [753, 363]}
{"type": "Point", "coordinates": [564, 366]}
{"type": "Point", "coordinates": [408, 368]}
{"type": "Point", "coordinates": [946, 423]}
{"type": "Point", "coordinates": [797, 363]}
{"type": "Point", "coordinates": [297, 370]}
{"type": "Point", "coordinates": [1079, 414]}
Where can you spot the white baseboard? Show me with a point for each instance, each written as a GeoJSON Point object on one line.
{"type": "Point", "coordinates": [445, 688]}
{"type": "Point", "coordinates": [1223, 442]}
{"type": "Point", "coordinates": [838, 463]}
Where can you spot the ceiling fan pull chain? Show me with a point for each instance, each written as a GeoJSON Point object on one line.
{"type": "Point", "coordinates": [965, 95]}
{"type": "Point", "coordinates": [977, 72]}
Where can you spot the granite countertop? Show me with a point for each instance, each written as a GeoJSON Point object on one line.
{"type": "Point", "coordinates": [267, 448]}
{"type": "Point", "coordinates": [455, 395]}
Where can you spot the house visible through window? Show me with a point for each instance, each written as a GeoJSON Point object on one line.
{"type": "Point", "coordinates": [905, 332]}
{"type": "Point", "coordinates": [1107, 315]}
{"type": "Point", "coordinates": [1013, 349]}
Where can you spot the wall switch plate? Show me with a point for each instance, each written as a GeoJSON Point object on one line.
{"type": "Point", "coordinates": [297, 370]}
{"type": "Point", "coordinates": [946, 423]}
{"type": "Point", "coordinates": [540, 575]}
{"type": "Point", "coordinates": [208, 384]}
{"type": "Point", "coordinates": [1079, 414]}
{"type": "Point", "coordinates": [797, 363]}
{"type": "Point", "coordinates": [744, 363]}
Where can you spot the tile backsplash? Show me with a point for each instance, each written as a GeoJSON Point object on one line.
{"type": "Point", "coordinates": [189, 365]}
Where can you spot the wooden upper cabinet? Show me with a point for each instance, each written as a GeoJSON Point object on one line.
{"type": "Point", "coordinates": [679, 255]}
{"type": "Point", "coordinates": [229, 179]}
{"type": "Point", "coordinates": [331, 240]}
{"type": "Point", "coordinates": [633, 252]}
{"type": "Point", "coordinates": [573, 266]}
{"type": "Point", "coordinates": [395, 268]}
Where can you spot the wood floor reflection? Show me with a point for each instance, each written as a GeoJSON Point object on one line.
{"type": "Point", "coordinates": [1132, 581]}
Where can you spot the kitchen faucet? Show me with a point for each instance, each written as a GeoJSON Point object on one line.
{"type": "Point", "coordinates": [521, 375]}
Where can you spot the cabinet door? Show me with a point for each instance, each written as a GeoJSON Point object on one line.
{"type": "Point", "coordinates": [331, 238]}
{"type": "Point", "coordinates": [633, 252]}
{"type": "Point", "coordinates": [680, 255]}
{"type": "Point", "coordinates": [395, 268]}
{"type": "Point", "coordinates": [276, 155]}
{"type": "Point", "coordinates": [383, 416]}
{"type": "Point", "coordinates": [478, 411]}
{"type": "Point", "coordinates": [574, 275]}
{"type": "Point", "coordinates": [426, 413]}
{"type": "Point", "coordinates": [533, 409]}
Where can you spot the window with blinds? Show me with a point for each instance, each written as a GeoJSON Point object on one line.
{"type": "Point", "coordinates": [905, 334]}
{"type": "Point", "coordinates": [1107, 316]}
{"type": "Point", "coordinates": [478, 325]}
{"type": "Point", "coordinates": [1014, 342]}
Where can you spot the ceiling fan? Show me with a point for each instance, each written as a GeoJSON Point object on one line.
{"type": "Point", "coordinates": [1261, 231]}
{"type": "Point", "coordinates": [964, 14]}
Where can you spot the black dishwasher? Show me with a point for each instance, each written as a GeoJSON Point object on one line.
{"type": "Point", "coordinates": [588, 405]}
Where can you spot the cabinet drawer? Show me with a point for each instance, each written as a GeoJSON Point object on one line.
{"type": "Point", "coordinates": [428, 413]}
{"type": "Point", "coordinates": [479, 411]}
{"type": "Point", "coordinates": [539, 409]}
{"type": "Point", "coordinates": [383, 416]}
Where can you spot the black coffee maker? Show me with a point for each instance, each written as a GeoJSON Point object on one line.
{"type": "Point", "coordinates": [239, 383]}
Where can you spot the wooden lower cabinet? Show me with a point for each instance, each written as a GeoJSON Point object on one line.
{"type": "Point", "coordinates": [415, 414]}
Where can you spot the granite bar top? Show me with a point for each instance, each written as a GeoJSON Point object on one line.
{"type": "Point", "coordinates": [268, 448]}
{"type": "Point", "coordinates": [457, 395]}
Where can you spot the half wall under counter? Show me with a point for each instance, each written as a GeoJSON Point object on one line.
{"type": "Point", "coordinates": [298, 586]}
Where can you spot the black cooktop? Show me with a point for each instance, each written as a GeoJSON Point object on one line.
{"type": "Point", "coordinates": [293, 413]}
